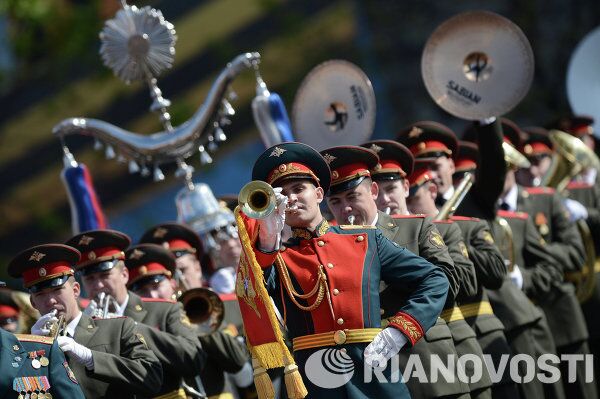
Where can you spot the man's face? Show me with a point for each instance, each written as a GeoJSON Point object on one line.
{"type": "Point", "coordinates": [358, 202]}
{"type": "Point", "coordinates": [112, 282]}
{"type": "Point", "coordinates": [164, 289]}
{"type": "Point", "coordinates": [229, 251]}
{"type": "Point", "coordinates": [392, 195]}
{"type": "Point", "coordinates": [423, 201]}
{"type": "Point", "coordinates": [305, 197]}
{"type": "Point", "coordinates": [63, 299]}
{"type": "Point", "coordinates": [189, 267]}
{"type": "Point", "coordinates": [534, 174]}
{"type": "Point", "coordinates": [442, 170]}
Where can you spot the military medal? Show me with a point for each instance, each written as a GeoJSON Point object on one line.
{"type": "Point", "coordinates": [43, 359]}
{"type": "Point", "coordinates": [36, 364]}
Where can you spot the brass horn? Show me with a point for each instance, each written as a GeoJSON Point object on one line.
{"type": "Point", "coordinates": [459, 194]}
{"type": "Point", "coordinates": [257, 199]}
{"type": "Point", "coordinates": [204, 308]}
{"type": "Point", "coordinates": [572, 157]}
{"type": "Point", "coordinates": [514, 158]}
{"type": "Point", "coordinates": [28, 315]}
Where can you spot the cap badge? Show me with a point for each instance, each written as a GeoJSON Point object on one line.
{"type": "Point", "coordinates": [85, 240]}
{"type": "Point", "coordinates": [415, 132]}
{"type": "Point", "coordinates": [375, 147]}
{"type": "Point", "coordinates": [42, 272]}
{"type": "Point", "coordinates": [36, 256]}
{"type": "Point", "coordinates": [377, 167]}
{"type": "Point", "coordinates": [91, 255]}
{"type": "Point", "coordinates": [527, 149]}
{"type": "Point", "coordinates": [329, 158]}
{"type": "Point", "coordinates": [335, 174]}
{"type": "Point", "coordinates": [136, 254]}
{"type": "Point", "coordinates": [143, 270]}
{"type": "Point", "coordinates": [282, 168]}
{"type": "Point", "coordinates": [166, 245]}
{"type": "Point", "coordinates": [160, 232]}
{"type": "Point", "coordinates": [277, 151]}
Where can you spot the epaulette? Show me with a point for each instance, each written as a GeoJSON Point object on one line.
{"type": "Point", "coordinates": [158, 300]}
{"type": "Point", "coordinates": [420, 215]}
{"type": "Point", "coordinates": [228, 297]}
{"type": "Point", "coordinates": [35, 338]}
{"type": "Point", "coordinates": [513, 215]}
{"type": "Point", "coordinates": [576, 185]}
{"type": "Point", "coordinates": [465, 218]}
{"type": "Point", "coordinates": [540, 190]}
{"type": "Point", "coordinates": [356, 226]}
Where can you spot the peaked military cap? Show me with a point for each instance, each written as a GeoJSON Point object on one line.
{"type": "Point", "coordinates": [44, 266]}
{"type": "Point", "coordinates": [176, 237]}
{"type": "Point", "coordinates": [292, 161]}
{"type": "Point", "coordinates": [421, 174]}
{"type": "Point", "coordinates": [428, 139]}
{"type": "Point", "coordinates": [395, 160]}
{"type": "Point", "coordinates": [349, 165]}
{"type": "Point", "coordinates": [467, 157]}
{"type": "Point", "coordinates": [100, 249]}
{"type": "Point", "coordinates": [8, 306]}
{"type": "Point", "coordinates": [148, 263]}
{"type": "Point", "coordinates": [228, 201]}
{"type": "Point", "coordinates": [537, 142]}
{"type": "Point", "coordinates": [577, 125]}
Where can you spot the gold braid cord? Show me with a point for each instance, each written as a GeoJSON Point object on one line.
{"type": "Point", "coordinates": [321, 288]}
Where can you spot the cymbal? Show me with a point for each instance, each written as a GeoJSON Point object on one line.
{"type": "Point", "coordinates": [583, 75]}
{"type": "Point", "coordinates": [335, 105]}
{"type": "Point", "coordinates": [477, 65]}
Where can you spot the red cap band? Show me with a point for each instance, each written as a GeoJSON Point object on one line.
{"type": "Point", "coordinates": [149, 269]}
{"type": "Point", "coordinates": [425, 147]}
{"type": "Point", "coordinates": [100, 254]}
{"type": "Point", "coordinates": [292, 168]}
{"type": "Point", "coordinates": [349, 172]}
{"type": "Point", "coordinates": [46, 272]}
{"type": "Point", "coordinates": [389, 166]}
{"type": "Point", "coordinates": [8, 311]}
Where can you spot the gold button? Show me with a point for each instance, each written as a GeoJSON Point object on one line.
{"type": "Point", "coordinates": [390, 224]}
{"type": "Point", "coordinates": [138, 308]}
{"type": "Point", "coordinates": [320, 243]}
{"type": "Point", "coordinates": [15, 347]}
{"type": "Point", "coordinates": [330, 265]}
{"type": "Point", "coordinates": [336, 291]}
{"type": "Point", "coordinates": [360, 238]}
{"type": "Point", "coordinates": [339, 337]}
{"type": "Point", "coordinates": [282, 248]}
{"type": "Point", "coordinates": [340, 321]}
{"type": "Point", "coordinates": [89, 327]}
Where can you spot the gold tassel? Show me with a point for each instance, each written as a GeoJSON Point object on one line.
{"type": "Point", "coordinates": [293, 382]}
{"type": "Point", "coordinates": [262, 381]}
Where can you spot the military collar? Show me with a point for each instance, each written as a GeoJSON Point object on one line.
{"type": "Point", "coordinates": [301, 233]}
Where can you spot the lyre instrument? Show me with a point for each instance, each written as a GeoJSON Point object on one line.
{"type": "Point", "coordinates": [102, 307]}
{"type": "Point", "coordinates": [571, 157]}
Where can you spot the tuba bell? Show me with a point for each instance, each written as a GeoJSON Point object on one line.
{"type": "Point", "coordinates": [572, 157]}
{"type": "Point", "coordinates": [257, 199]}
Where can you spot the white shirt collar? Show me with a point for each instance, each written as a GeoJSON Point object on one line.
{"type": "Point", "coordinates": [448, 193]}
{"type": "Point", "coordinates": [120, 310]}
{"type": "Point", "coordinates": [73, 324]}
{"type": "Point", "coordinates": [511, 198]}
{"type": "Point", "coordinates": [374, 223]}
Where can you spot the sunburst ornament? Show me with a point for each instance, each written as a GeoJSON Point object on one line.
{"type": "Point", "coordinates": [138, 43]}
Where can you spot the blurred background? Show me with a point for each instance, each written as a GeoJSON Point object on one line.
{"type": "Point", "coordinates": [50, 70]}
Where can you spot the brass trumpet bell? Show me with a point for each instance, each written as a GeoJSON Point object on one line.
{"type": "Point", "coordinates": [204, 308]}
{"type": "Point", "coordinates": [572, 157]}
{"type": "Point", "coordinates": [514, 158]}
{"type": "Point", "coordinates": [257, 199]}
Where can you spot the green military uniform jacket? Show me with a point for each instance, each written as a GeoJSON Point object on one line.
{"type": "Point", "coordinates": [15, 365]}
{"type": "Point", "coordinates": [465, 339]}
{"type": "Point", "coordinates": [543, 281]}
{"type": "Point", "coordinates": [124, 367]}
{"type": "Point", "coordinates": [170, 336]}
{"type": "Point", "coordinates": [419, 235]}
{"type": "Point", "coordinates": [225, 354]}
{"type": "Point", "coordinates": [562, 238]}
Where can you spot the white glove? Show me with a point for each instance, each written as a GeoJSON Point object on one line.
{"type": "Point", "coordinates": [245, 377]}
{"type": "Point", "coordinates": [385, 345]}
{"type": "Point", "coordinates": [79, 352]}
{"type": "Point", "coordinates": [270, 228]}
{"type": "Point", "coordinates": [516, 277]}
{"type": "Point", "coordinates": [487, 121]}
{"type": "Point", "coordinates": [576, 209]}
{"type": "Point", "coordinates": [39, 328]}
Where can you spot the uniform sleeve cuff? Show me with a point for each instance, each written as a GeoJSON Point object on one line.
{"type": "Point", "coordinates": [408, 326]}
{"type": "Point", "coordinates": [264, 259]}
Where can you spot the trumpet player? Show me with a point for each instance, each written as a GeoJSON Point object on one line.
{"type": "Point", "coordinates": [108, 358]}
{"type": "Point", "coordinates": [162, 322]}
{"type": "Point", "coordinates": [224, 352]}
{"type": "Point", "coordinates": [320, 261]}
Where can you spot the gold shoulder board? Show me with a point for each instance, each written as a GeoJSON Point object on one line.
{"type": "Point", "coordinates": [34, 338]}
{"type": "Point", "coordinates": [356, 226]}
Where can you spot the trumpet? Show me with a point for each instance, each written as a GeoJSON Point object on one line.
{"type": "Point", "coordinates": [257, 200]}
{"type": "Point", "coordinates": [101, 306]}
{"type": "Point", "coordinates": [203, 307]}
{"type": "Point", "coordinates": [57, 327]}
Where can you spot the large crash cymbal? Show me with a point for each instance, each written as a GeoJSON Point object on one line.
{"type": "Point", "coordinates": [477, 65]}
{"type": "Point", "coordinates": [335, 105]}
{"type": "Point", "coordinates": [583, 78]}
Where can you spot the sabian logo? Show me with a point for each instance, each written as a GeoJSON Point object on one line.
{"type": "Point", "coordinates": [463, 92]}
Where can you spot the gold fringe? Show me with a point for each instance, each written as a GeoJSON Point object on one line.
{"type": "Point", "coordinates": [293, 382]}
{"type": "Point", "coordinates": [269, 355]}
{"type": "Point", "coordinates": [262, 381]}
